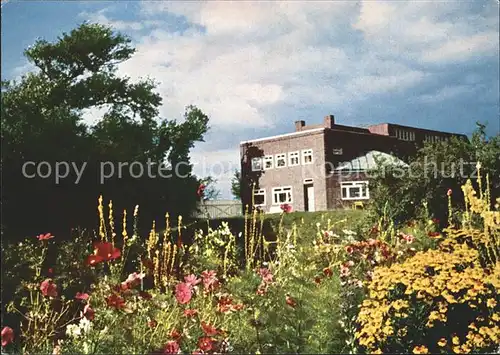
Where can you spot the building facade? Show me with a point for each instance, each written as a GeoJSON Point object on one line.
{"type": "Point", "coordinates": [307, 168]}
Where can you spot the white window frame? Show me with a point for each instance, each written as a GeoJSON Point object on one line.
{"type": "Point", "coordinates": [280, 157]}
{"type": "Point", "coordinates": [268, 158]}
{"type": "Point", "coordinates": [254, 162]}
{"type": "Point", "coordinates": [351, 184]}
{"type": "Point", "coordinates": [282, 189]}
{"type": "Point", "coordinates": [306, 152]}
{"type": "Point", "coordinates": [259, 192]}
{"type": "Point", "coordinates": [337, 151]}
{"type": "Point", "coordinates": [291, 156]}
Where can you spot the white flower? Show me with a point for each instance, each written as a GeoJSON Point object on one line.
{"type": "Point", "coordinates": [73, 331]}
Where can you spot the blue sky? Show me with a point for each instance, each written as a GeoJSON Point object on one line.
{"type": "Point", "coordinates": [256, 67]}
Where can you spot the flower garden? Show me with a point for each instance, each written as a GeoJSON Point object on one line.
{"type": "Point", "coordinates": [323, 286]}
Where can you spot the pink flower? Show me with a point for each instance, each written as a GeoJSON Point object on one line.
{"type": "Point", "coordinates": [183, 293]}
{"type": "Point", "coordinates": [449, 192]}
{"type": "Point", "coordinates": [291, 302]}
{"type": "Point", "coordinates": [191, 280]}
{"type": "Point", "coordinates": [7, 336]}
{"type": "Point", "coordinates": [210, 280]}
{"type": "Point", "coordinates": [46, 236]}
{"type": "Point", "coordinates": [115, 301]}
{"type": "Point", "coordinates": [172, 347]}
{"type": "Point", "coordinates": [82, 296]}
{"type": "Point", "coordinates": [286, 208]}
{"type": "Point", "coordinates": [201, 190]}
{"type": "Point", "coordinates": [209, 329]}
{"type": "Point", "coordinates": [88, 312]}
{"type": "Point", "coordinates": [48, 288]}
{"type": "Point", "coordinates": [266, 275]}
{"type": "Point", "coordinates": [190, 312]}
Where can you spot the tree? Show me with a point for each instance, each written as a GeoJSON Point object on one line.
{"type": "Point", "coordinates": [236, 185]}
{"type": "Point", "coordinates": [210, 192]}
{"type": "Point", "coordinates": [435, 169]}
{"type": "Point", "coordinates": [42, 122]}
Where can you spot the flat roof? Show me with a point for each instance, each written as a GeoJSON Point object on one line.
{"type": "Point", "coordinates": [300, 133]}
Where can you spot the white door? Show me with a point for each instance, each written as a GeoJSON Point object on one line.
{"type": "Point", "coordinates": [310, 198]}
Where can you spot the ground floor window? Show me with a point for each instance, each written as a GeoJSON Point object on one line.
{"type": "Point", "coordinates": [259, 197]}
{"type": "Point", "coordinates": [282, 195]}
{"type": "Point", "coordinates": [355, 190]}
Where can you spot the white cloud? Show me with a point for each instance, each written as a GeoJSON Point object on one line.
{"type": "Point", "coordinates": [446, 93]}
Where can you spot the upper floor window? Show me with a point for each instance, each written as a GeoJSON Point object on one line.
{"type": "Point", "coordinates": [405, 135]}
{"type": "Point", "coordinates": [293, 159]}
{"type": "Point", "coordinates": [256, 164]}
{"type": "Point", "coordinates": [307, 156]}
{"type": "Point", "coordinates": [282, 195]}
{"type": "Point", "coordinates": [355, 190]}
{"type": "Point", "coordinates": [268, 162]}
{"type": "Point", "coordinates": [259, 197]}
{"type": "Point", "coordinates": [280, 160]}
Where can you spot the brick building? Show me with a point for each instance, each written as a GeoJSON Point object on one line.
{"type": "Point", "coordinates": [322, 167]}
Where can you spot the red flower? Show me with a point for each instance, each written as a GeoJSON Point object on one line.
{"type": "Point", "coordinates": [190, 312]}
{"type": "Point", "coordinates": [93, 260]}
{"type": "Point", "coordinates": [7, 336]}
{"type": "Point", "coordinates": [133, 280]}
{"type": "Point", "coordinates": [349, 249]}
{"type": "Point", "coordinates": [174, 334]}
{"type": "Point", "coordinates": [46, 236]}
{"type": "Point", "coordinates": [201, 190]}
{"type": "Point", "coordinates": [115, 301]}
{"type": "Point", "coordinates": [152, 323]}
{"type": "Point", "coordinates": [48, 288]}
{"type": "Point", "coordinates": [317, 280]}
{"type": "Point", "coordinates": [50, 271]}
{"type": "Point", "coordinates": [449, 192]}
{"type": "Point", "coordinates": [374, 230]}
{"type": "Point", "coordinates": [205, 343]}
{"type": "Point", "coordinates": [82, 296]}
{"type": "Point", "coordinates": [286, 208]}
{"type": "Point", "coordinates": [107, 251]}
{"type": "Point", "coordinates": [191, 280]}
{"type": "Point", "coordinates": [327, 271]}
{"type": "Point", "coordinates": [88, 312]}
{"type": "Point", "coordinates": [433, 234]}
{"type": "Point", "coordinates": [291, 302]}
{"type": "Point", "coordinates": [172, 347]}
{"type": "Point", "coordinates": [208, 329]}
{"type": "Point", "coordinates": [183, 293]}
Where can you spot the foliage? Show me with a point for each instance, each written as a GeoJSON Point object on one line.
{"type": "Point", "coordinates": [438, 167]}
{"type": "Point", "coordinates": [43, 121]}
{"type": "Point", "coordinates": [236, 185]}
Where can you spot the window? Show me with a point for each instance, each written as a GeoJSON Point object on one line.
{"type": "Point", "coordinates": [280, 160]}
{"type": "Point", "coordinates": [256, 164]}
{"type": "Point", "coordinates": [282, 195]}
{"type": "Point", "coordinates": [307, 156]}
{"type": "Point", "coordinates": [259, 197]}
{"type": "Point", "coordinates": [405, 135]}
{"type": "Point", "coordinates": [337, 151]}
{"type": "Point", "coordinates": [356, 190]}
{"type": "Point", "coordinates": [268, 162]}
{"type": "Point", "coordinates": [293, 159]}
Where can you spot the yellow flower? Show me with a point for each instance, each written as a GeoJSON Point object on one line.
{"type": "Point", "coordinates": [442, 342]}
{"type": "Point", "coordinates": [378, 351]}
{"type": "Point", "coordinates": [421, 349]}
{"type": "Point", "coordinates": [455, 340]}
{"type": "Point", "coordinates": [491, 303]}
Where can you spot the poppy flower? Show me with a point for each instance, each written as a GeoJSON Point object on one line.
{"type": "Point", "coordinates": [174, 334]}
{"type": "Point", "coordinates": [152, 323]}
{"type": "Point", "coordinates": [205, 343]}
{"type": "Point", "coordinates": [82, 296]}
{"type": "Point", "coordinates": [291, 302]}
{"type": "Point", "coordinates": [93, 260]}
{"type": "Point", "coordinates": [191, 280]}
{"type": "Point", "coordinates": [133, 280]}
{"type": "Point", "coordinates": [327, 271]}
{"type": "Point", "coordinates": [106, 251]}
{"type": "Point", "coordinates": [449, 192]}
{"type": "Point", "coordinates": [317, 280]}
{"type": "Point", "coordinates": [201, 190]}
{"type": "Point", "coordinates": [183, 293]}
{"type": "Point", "coordinates": [172, 347]}
{"type": "Point", "coordinates": [48, 288]}
{"type": "Point", "coordinates": [349, 249]}
{"type": "Point", "coordinates": [115, 301]}
{"type": "Point", "coordinates": [208, 329]}
{"type": "Point", "coordinates": [88, 312]}
{"type": "Point", "coordinates": [46, 236]}
{"type": "Point", "coordinates": [209, 279]}
{"type": "Point", "coordinates": [286, 208]}
{"type": "Point", "coordinates": [266, 275]}
{"type": "Point", "coordinates": [433, 234]}
{"type": "Point", "coordinates": [7, 336]}
{"type": "Point", "coordinates": [190, 312]}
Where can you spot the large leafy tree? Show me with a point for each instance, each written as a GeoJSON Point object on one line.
{"type": "Point", "coordinates": [42, 121]}
{"type": "Point", "coordinates": [437, 168]}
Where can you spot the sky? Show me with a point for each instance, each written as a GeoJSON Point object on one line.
{"type": "Point", "coordinates": [255, 67]}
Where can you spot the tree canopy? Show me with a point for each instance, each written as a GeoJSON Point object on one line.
{"type": "Point", "coordinates": [42, 121]}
